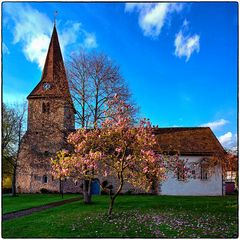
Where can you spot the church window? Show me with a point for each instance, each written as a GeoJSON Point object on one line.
{"type": "Point", "coordinates": [46, 153]}
{"type": "Point", "coordinates": [204, 172]}
{"type": "Point", "coordinates": [231, 176]}
{"type": "Point", "coordinates": [181, 174]}
{"type": "Point", "coordinates": [46, 107]}
{"type": "Point", "coordinates": [43, 107]}
{"type": "Point", "coordinates": [45, 179]}
{"type": "Point", "coordinates": [37, 178]}
{"type": "Point", "coordinates": [194, 174]}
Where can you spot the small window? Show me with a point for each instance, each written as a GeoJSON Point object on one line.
{"type": "Point", "coordinates": [181, 175]}
{"type": "Point", "coordinates": [45, 179]}
{"type": "Point", "coordinates": [194, 174]}
{"type": "Point", "coordinates": [231, 176]}
{"type": "Point", "coordinates": [76, 183]}
{"type": "Point", "coordinates": [37, 178]}
{"type": "Point", "coordinates": [43, 107]}
{"type": "Point", "coordinates": [46, 153]}
{"type": "Point", "coordinates": [46, 107]}
{"type": "Point", "coordinates": [204, 172]}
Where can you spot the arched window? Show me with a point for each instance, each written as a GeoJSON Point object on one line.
{"type": "Point", "coordinates": [43, 107]}
{"type": "Point", "coordinates": [45, 179]}
{"type": "Point", "coordinates": [204, 169]}
{"type": "Point", "coordinates": [181, 174]}
{"type": "Point", "coordinates": [46, 107]}
{"type": "Point", "coordinates": [204, 172]}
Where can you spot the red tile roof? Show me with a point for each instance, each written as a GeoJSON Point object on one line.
{"type": "Point", "coordinates": [53, 73]}
{"type": "Point", "coordinates": [188, 141]}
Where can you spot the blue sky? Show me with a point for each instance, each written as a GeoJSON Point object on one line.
{"type": "Point", "coordinates": [179, 59]}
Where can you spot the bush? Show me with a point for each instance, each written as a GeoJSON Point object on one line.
{"type": "Point", "coordinates": [129, 192]}
{"type": "Point", "coordinates": [104, 184]}
{"type": "Point", "coordinates": [44, 190]}
{"type": "Point", "coordinates": [6, 190]}
{"type": "Point", "coordinates": [104, 192]}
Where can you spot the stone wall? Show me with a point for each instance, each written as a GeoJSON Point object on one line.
{"type": "Point", "coordinates": [49, 114]}
{"type": "Point", "coordinates": [50, 120]}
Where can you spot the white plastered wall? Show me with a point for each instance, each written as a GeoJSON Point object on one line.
{"type": "Point", "coordinates": [193, 187]}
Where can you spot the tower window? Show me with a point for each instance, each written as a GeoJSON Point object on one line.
{"type": "Point", "coordinates": [46, 107]}
{"type": "Point", "coordinates": [37, 178]}
{"type": "Point", "coordinates": [45, 179]}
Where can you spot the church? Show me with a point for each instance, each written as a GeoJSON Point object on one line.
{"type": "Point", "coordinates": [51, 119]}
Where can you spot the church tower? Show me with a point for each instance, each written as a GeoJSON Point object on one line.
{"type": "Point", "coordinates": [50, 120]}
{"type": "Point", "coordinates": [50, 103]}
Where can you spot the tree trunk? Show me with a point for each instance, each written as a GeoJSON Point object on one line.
{"type": "Point", "coordinates": [111, 206]}
{"type": "Point", "coordinates": [114, 196]}
{"type": "Point", "coordinates": [14, 181]}
{"type": "Point", "coordinates": [61, 187]}
{"type": "Point", "coordinates": [155, 187]}
{"type": "Point", "coordinates": [87, 196]}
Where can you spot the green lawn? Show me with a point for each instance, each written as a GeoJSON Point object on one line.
{"type": "Point", "coordinates": [134, 216]}
{"type": "Point", "coordinates": [24, 201]}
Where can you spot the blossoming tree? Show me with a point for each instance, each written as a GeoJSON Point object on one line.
{"type": "Point", "coordinates": [118, 149]}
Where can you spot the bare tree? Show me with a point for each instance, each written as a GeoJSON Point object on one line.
{"type": "Point", "coordinates": [13, 128]}
{"type": "Point", "coordinates": [95, 79]}
{"type": "Point", "coordinates": [79, 79]}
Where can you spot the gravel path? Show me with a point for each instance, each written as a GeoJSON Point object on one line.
{"type": "Point", "coordinates": [21, 213]}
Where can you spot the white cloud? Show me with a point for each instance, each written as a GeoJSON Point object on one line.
{"type": "Point", "coordinates": [35, 50]}
{"type": "Point", "coordinates": [90, 41]}
{"type": "Point", "coordinates": [228, 140]}
{"type": "Point", "coordinates": [215, 124]}
{"type": "Point", "coordinates": [185, 45]}
{"type": "Point", "coordinates": [69, 34]}
{"type": "Point", "coordinates": [32, 29]}
{"type": "Point", "coordinates": [5, 49]}
{"type": "Point", "coordinates": [152, 16]}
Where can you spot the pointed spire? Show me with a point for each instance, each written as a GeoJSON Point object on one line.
{"type": "Point", "coordinates": [54, 80]}
{"type": "Point", "coordinates": [55, 15]}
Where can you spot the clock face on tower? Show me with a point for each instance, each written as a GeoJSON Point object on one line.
{"type": "Point", "coordinates": [46, 86]}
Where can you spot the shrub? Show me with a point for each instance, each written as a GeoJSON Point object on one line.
{"type": "Point", "coordinates": [129, 192]}
{"type": "Point", "coordinates": [44, 190]}
{"type": "Point", "coordinates": [6, 190]}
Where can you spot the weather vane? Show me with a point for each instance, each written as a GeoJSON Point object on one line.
{"type": "Point", "coordinates": [55, 15]}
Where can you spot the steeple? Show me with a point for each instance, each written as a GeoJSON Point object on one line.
{"type": "Point", "coordinates": [53, 82]}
